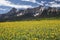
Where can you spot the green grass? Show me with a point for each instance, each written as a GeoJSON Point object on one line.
{"type": "Point", "coordinates": [39, 29]}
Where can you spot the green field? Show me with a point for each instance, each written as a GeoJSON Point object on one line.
{"type": "Point", "coordinates": [42, 29]}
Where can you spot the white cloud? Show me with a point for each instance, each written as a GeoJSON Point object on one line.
{"type": "Point", "coordinates": [10, 4]}
{"type": "Point", "coordinates": [53, 2]}
{"type": "Point", "coordinates": [57, 0]}
{"type": "Point", "coordinates": [43, 1]}
{"type": "Point", "coordinates": [55, 5]}
{"type": "Point", "coordinates": [34, 1]}
{"type": "Point", "coordinates": [2, 9]}
{"type": "Point", "coordinates": [47, 5]}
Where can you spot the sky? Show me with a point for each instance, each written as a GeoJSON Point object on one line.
{"type": "Point", "coordinates": [6, 5]}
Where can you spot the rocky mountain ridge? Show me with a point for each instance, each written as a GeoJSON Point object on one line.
{"type": "Point", "coordinates": [30, 12]}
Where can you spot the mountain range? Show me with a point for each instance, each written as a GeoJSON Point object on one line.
{"type": "Point", "coordinates": [41, 11]}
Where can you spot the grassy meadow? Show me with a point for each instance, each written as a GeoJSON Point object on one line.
{"type": "Point", "coordinates": [39, 29]}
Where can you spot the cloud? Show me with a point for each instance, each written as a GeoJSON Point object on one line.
{"type": "Point", "coordinates": [10, 4]}
{"type": "Point", "coordinates": [2, 9]}
{"type": "Point", "coordinates": [53, 2]}
{"type": "Point", "coordinates": [34, 1]}
{"type": "Point", "coordinates": [57, 0]}
{"type": "Point", "coordinates": [47, 5]}
{"type": "Point", "coordinates": [55, 5]}
{"type": "Point", "coordinates": [43, 1]}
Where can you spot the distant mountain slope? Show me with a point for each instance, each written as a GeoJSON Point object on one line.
{"type": "Point", "coordinates": [40, 11]}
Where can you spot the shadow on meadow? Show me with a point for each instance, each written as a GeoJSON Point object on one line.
{"type": "Point", "coordinates": [31, 19]}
